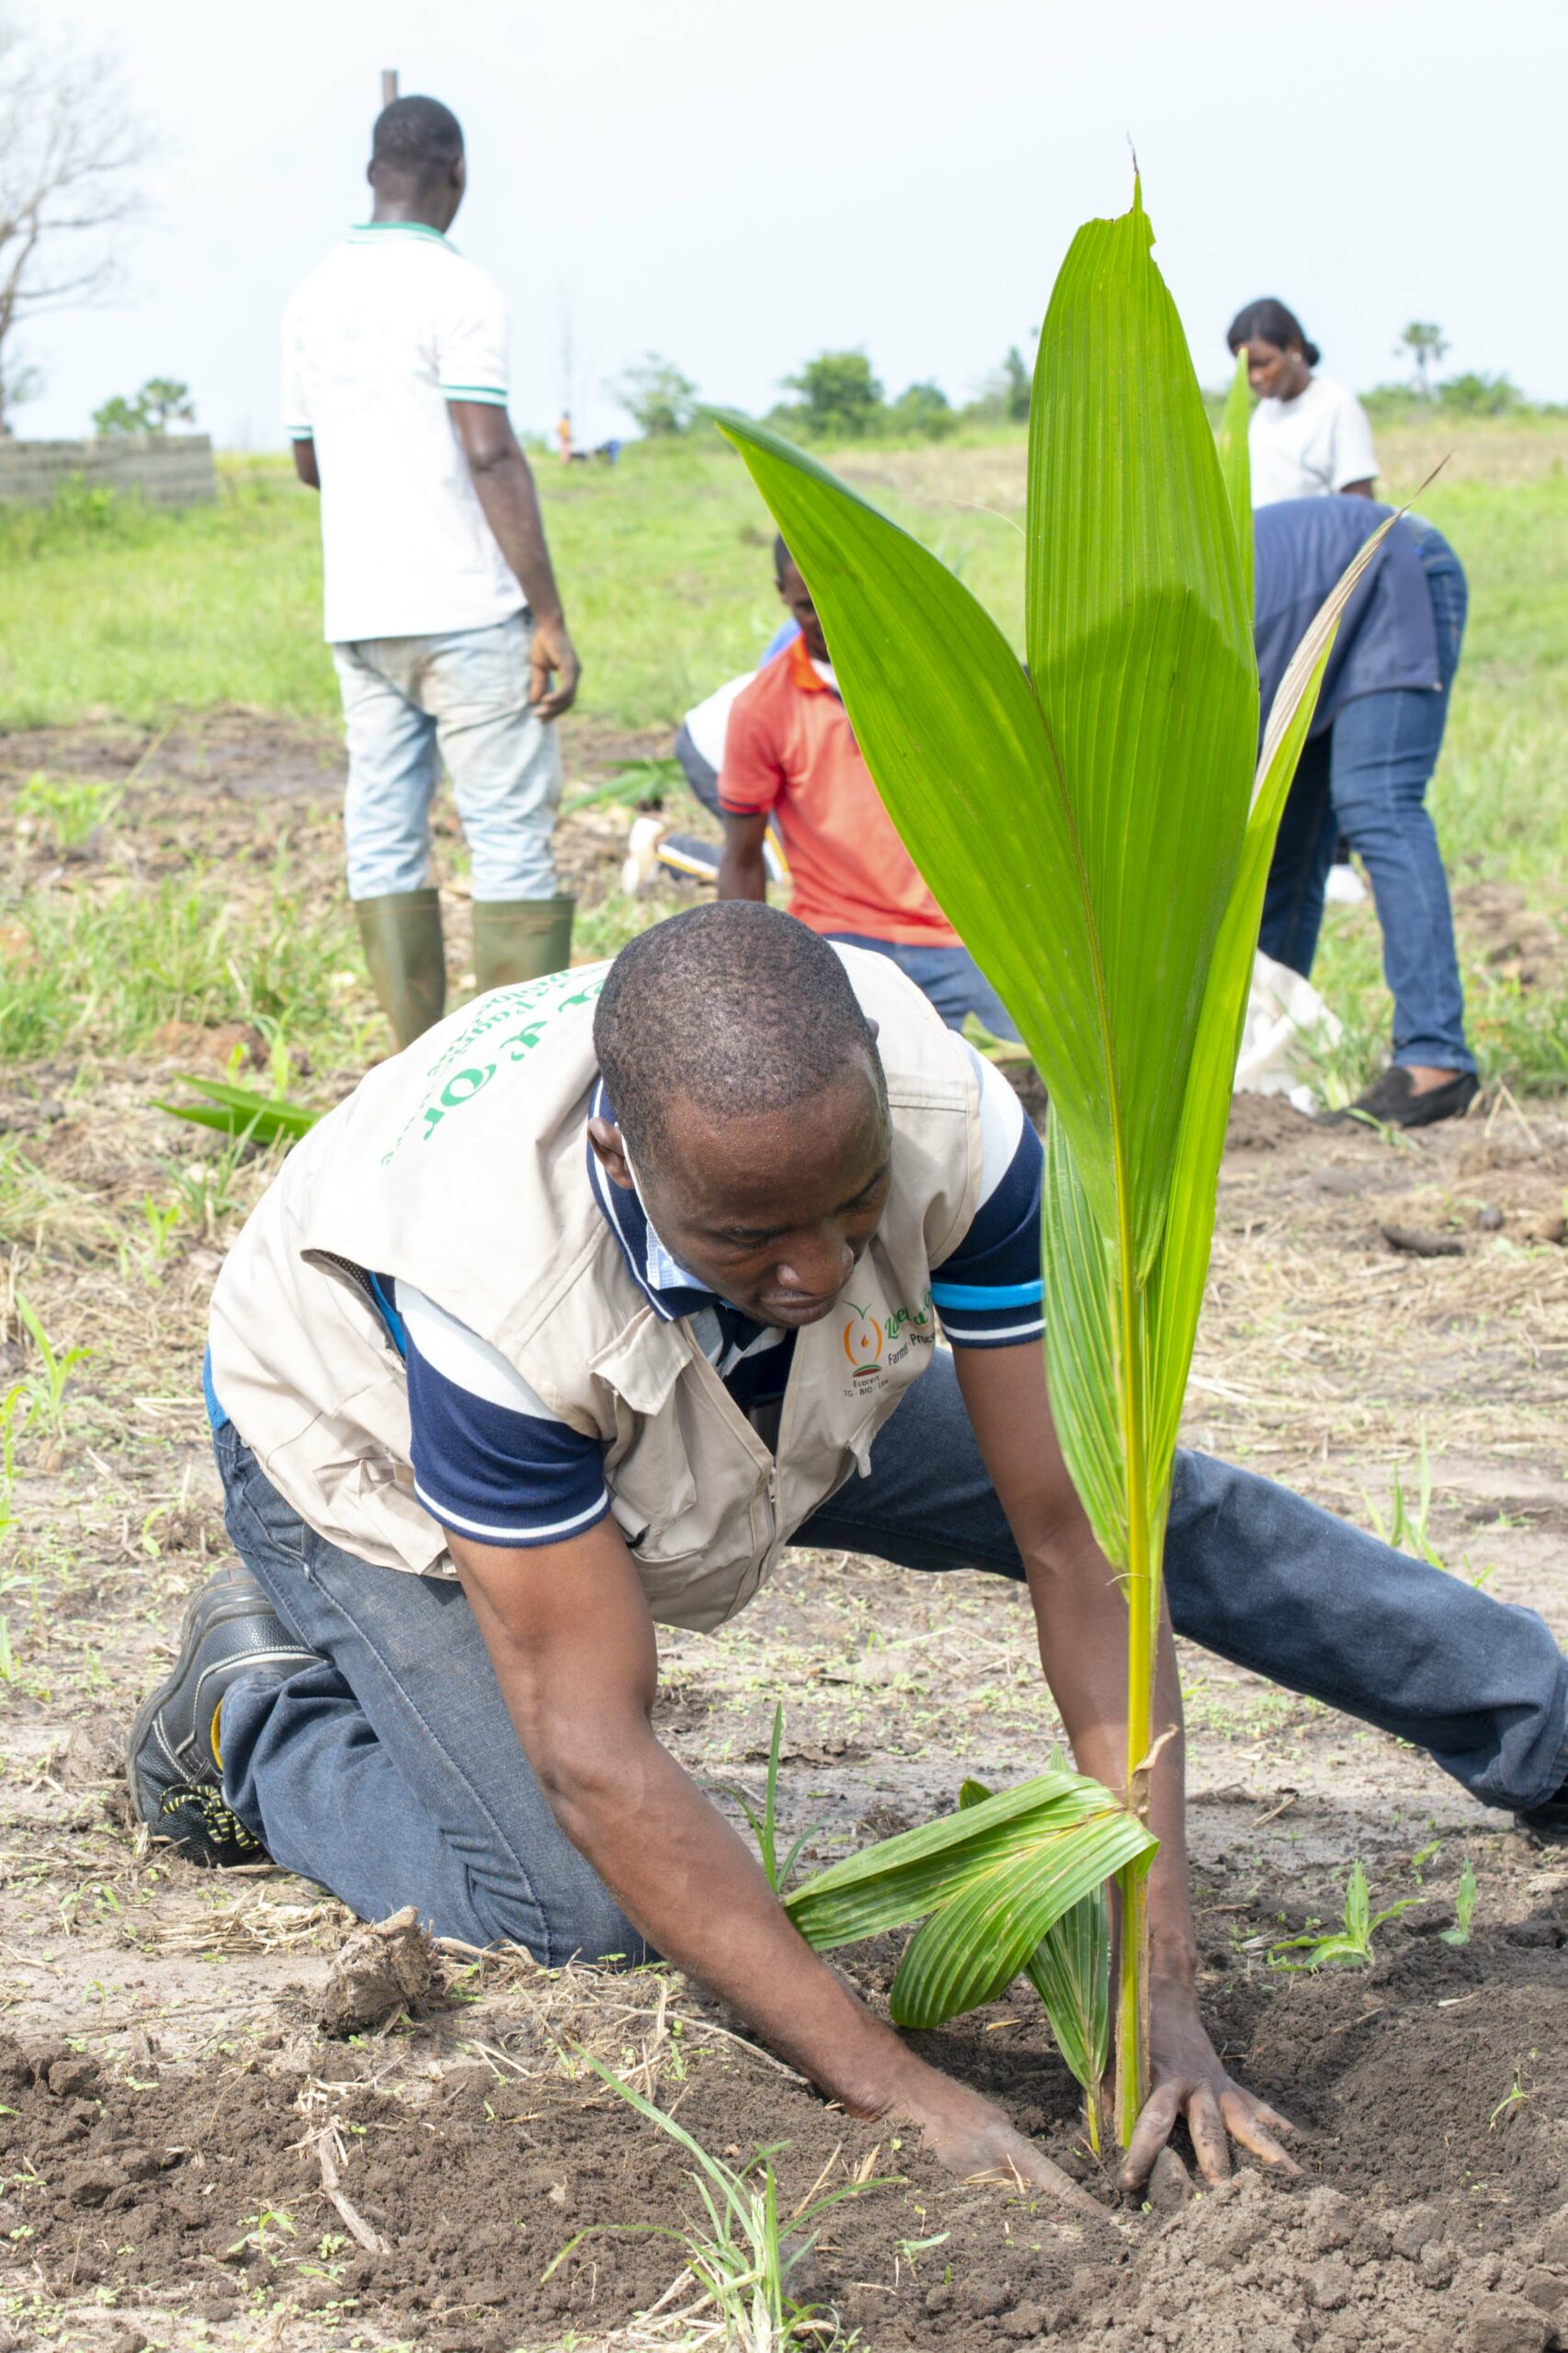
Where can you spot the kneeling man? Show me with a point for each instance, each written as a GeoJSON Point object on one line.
{"type": "Point", "coordinates": [567, 1324]}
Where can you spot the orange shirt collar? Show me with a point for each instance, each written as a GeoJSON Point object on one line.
{"type": "Point", "coordinates": [801, 674]}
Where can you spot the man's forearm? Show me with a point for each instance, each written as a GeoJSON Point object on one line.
{"type": "Point", "coordinates": [510, 504]}
{"type": "Point", "coordinates": [741, 873]}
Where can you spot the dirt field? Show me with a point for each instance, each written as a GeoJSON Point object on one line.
{"type": "Point", "coordinates": [172, 2116]}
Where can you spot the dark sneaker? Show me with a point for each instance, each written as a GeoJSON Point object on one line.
{"type": "Point", "coordinates": [172, 1761]}
{"type": "Point", "coordinates": [1394, 1103]}
{"type": "Point", "coordinates": [1546, 1825]}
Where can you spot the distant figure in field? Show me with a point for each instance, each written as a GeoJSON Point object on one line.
{"type": "Point", "coordinates": [441, 606]}
{"type": "Point", "coordinates": [1309, 437]}
{"type": "Point", "coordinates": [1365, 770]}
{"type": "Point", "coordinates": [790, 755]}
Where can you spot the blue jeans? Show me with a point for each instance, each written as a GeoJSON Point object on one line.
{"type": "Point", "coordinates": [950, 977]}
{"type": "Point", "coordinates": [390, 1772]}
{"type": "Point", "coordinates": [1367, 778]}
{"type": "Point", "coordinates": [410, 702]}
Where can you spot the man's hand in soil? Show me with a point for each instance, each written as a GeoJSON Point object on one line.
{"type": "Point", "coordinates": [1188, 2078]}
{"type": "Point", "coordinates": [568, 1630]}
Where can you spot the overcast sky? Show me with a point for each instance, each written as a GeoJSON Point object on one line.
{"type": "Point", "coordinates": [738, 186]}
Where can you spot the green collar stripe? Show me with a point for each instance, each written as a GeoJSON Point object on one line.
{"type": "Point", "coordinates": [365, 231]}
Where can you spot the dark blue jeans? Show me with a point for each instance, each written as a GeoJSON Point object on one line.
{"type": "Point", "coordinates": [390, 1772]}
{"type": "Point", "coordinates": [948, 977]}
{"type": "Point", "coordinates": [1367, 778]}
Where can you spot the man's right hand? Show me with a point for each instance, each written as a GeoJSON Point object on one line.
{"type": "Point", "coordinates": [974, 2139]}
{"type": "Point", "coordinates": [551, 655]}
{"type": "Point", "coordinates": [569, 1634]}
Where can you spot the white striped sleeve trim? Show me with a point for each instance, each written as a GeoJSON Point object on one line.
{"type": "Point", "coordinates": [527, 1533]}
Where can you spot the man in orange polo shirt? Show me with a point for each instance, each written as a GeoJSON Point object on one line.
{"type": "Point", "coordinates": [791, 754]}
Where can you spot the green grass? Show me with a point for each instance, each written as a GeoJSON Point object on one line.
{"type": "Point", "coordinates": [112, 611]}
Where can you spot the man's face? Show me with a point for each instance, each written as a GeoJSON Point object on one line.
{"type": "Point", "coordinates": [798, 597]}
{"type": "Point", "coordinates": [772, 1211]}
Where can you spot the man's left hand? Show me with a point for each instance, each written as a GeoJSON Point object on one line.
{"type": "Point", "coordinates": [552, 653]}
{"type": "Point", "coordinates": [1188, 2078]}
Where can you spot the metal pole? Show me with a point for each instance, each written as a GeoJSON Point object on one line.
{"type": "Point", "coordinates": [389, 84]}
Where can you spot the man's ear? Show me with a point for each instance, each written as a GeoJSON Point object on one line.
{"type": "Point", "coordinates": [610, 1153]}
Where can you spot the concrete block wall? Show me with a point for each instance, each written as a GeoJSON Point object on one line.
{"type": "Point", "coordinates": [167, 469]}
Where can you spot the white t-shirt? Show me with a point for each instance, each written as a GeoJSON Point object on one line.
{"type": "Point", "coordinates": [392, 325]}
{"type": "Point", "coordinates": [1310, 446]}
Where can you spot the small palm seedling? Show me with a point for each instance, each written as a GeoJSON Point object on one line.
{"type": "Point", "coordinates": [762, 1821]}
{"type": "Point", "coordinates": [744, 2260]}
{"type": "Point", "coordinates": [1069, 1970]}
{"type": "Point", "coordinates": [1464, 1908]}
{"type": "Point", "coordinates": [1352, 1944]}
{"type": "Point", "coordinates": [1100, 827]}
{"type": "Point", "coordinates": [991, 1884]}
{"type": "Point", "coordinates": [47, 1390]}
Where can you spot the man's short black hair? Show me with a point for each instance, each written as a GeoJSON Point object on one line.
{"type": "Point", "coordinates": [782, 558]}
{"type": "Point", "coordinates": [415, 138]}
{"type": "Point", "coordinates": [736, 1005]}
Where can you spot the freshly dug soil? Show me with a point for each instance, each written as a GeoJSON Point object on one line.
{"type": "Point", "coordinates": [1433, 2208]}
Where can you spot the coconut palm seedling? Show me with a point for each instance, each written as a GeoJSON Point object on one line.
{"type": "Point", "coordinates": [243, 1112]}
{"type": "Point", "coordinates": [1352, 1944]}
{"type": "Point", "coordinates": [1100, 827]}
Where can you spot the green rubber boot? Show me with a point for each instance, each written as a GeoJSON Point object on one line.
{"type": "Point", "coordinates": [520, 939]}
{"type": "Point", "coordinates": [402, 933]}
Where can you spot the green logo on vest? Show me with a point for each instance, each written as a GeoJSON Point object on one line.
{"type": "Point", "coordinates": [505, 1031]}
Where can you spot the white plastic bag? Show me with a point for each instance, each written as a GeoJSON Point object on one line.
{"type": "Point", "coordinates": [1283, 1012]}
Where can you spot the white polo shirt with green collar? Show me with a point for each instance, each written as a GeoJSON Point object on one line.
{"type": "Point", "coordinates": [389, 328]}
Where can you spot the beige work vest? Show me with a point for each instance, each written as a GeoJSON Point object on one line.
{"type": "Point", "coordinates": [460, 1167]}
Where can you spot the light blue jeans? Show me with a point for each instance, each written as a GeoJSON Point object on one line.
{"type": "Point", "coordinates": [388, 1770]}
{"type": "Point", "coordinates": [410, 702]}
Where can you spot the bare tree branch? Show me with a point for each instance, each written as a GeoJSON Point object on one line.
{"type": "Point", "coordinates": [70, 150]}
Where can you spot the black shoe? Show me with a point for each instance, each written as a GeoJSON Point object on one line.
{"type": "Point", "coordinates": [172, 1761]}
{"type": "Point", "coordinates": [1546, 1825]}
{"type": "Point", "coordinates": [1394, 1103]}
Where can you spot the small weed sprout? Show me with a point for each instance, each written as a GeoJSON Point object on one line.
{"type": "Point", "coordinates": [744, 2261]}
{"type": "Point", "coordinates": [70, 809]}
{"type": "Point", "coordinates": [1464, 1908]}
{"type": "Point", "coordinates": [47, 1394]}
{"type": "Point", "coordinates": [1518, 2091]}
{"type": "Point", "coordinates": [1351, 1945]}
{"type": "Point", "coordinates": [764, 1823]}
{"type": "Point", "coordinates": [252, 2233]}
{"type": "Point", "coordinates": [14, 1407]}
{"type": "Point", "coordinates": [1407, 1530]}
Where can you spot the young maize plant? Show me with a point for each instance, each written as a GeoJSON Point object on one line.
{"type": "Point", "coordinates": [1095, 827]}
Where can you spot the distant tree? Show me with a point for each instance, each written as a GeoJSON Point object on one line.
{"type": "Point", "coordinates": [165, 402]}
{"type": "Point", "coordinates": [1474, 395]}
{"type": "Point", "coordinates": [925, 409]}
{"type": "Point", "coordinates": [68, 149]}
{"type": "Point", "coordinates": [839, 395]}
{"type": "Point", "coordinates": [18, 383]}
{"type": "Point", "coordinates": [162, 401]}
{"type": "Point", "coordinates": [1426, 343]}
{"type": "Point", "coordinates": [1017, 386]}
{"type": "Point", "coordinates": [657, 395]}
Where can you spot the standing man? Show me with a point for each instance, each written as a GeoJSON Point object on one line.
{"type": "Point", "coordinates": [442, 610]}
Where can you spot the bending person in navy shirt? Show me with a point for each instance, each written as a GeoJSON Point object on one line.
{"type": "Point", "coordinates": [1365, 772]}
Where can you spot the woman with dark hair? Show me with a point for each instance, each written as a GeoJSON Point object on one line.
{"type": "Point", "coordinates": [1309, 437]}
